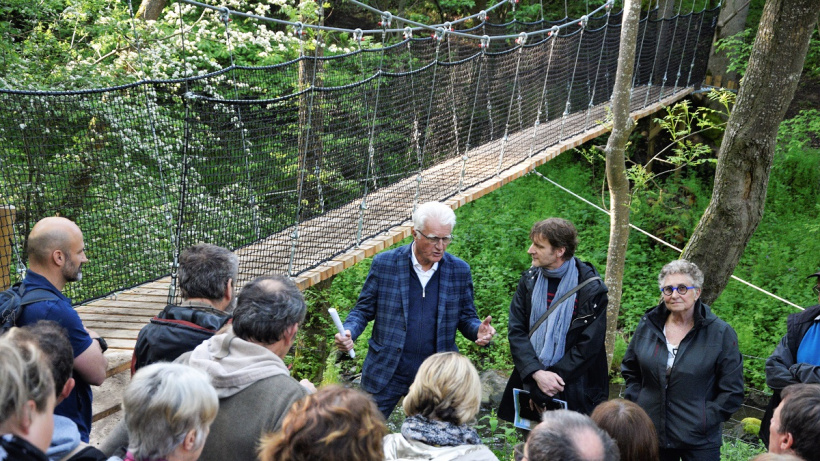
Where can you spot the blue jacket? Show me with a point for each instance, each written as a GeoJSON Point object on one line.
{"type": "Point", "coordinates": [385, 299]}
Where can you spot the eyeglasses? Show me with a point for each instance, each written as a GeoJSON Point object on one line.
{"type": "Point", "coordinates": [816, 290]}
{"type": "Point", "coordinates": [436, 240]}
{"type": "Point", "coordinates": [681, 289]}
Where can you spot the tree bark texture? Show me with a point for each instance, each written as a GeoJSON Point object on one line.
{"type": "Point", "coordinates": [622, 126]}
{"type": "Point", "coordinates": [747, 150]}
{"type": "Point", "coordinates": [732, 20]}
{"type": "Point", "coordinates": [150, 10]}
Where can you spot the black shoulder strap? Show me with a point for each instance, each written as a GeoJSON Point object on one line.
{"type": "Point", "coordinates": [557, 303]}
{"type": "Point", "coordinates": [34, 296]}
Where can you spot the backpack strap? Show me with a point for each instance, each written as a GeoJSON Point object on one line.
{"type": "Point", "coordinates": [34, 296]}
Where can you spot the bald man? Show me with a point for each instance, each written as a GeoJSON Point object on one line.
{"type": "Point", "coordinates": [56, 254]}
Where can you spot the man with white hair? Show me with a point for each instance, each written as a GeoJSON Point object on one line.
{"type": "Point", "coordinates": [418, 295]}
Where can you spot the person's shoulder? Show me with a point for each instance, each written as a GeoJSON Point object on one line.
{"type": "Point", "coordinates": [807, 315]}
{"type": "Point", "coordinates": [391, 255]}
{"type": "Point", "coordinates": [587, 271]}
{"type": "Point", "coordinates": [282, 384]}
{"type": "Point", "coordinates": [456, 262]}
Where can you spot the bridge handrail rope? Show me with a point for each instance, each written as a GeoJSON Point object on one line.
{"type": "Point", "coordinates": [166, 204]}
{"type": "Point", "coordinates": [438, 37]}
{"type": "Point", "coordinates": [685, 41]}
{"type": "Point", "coordinates": [654, 59]}
{"type": "Point", "coordinates": [582, 23]}
{"type": "Point", "coordinates": [319, 161]}
{"type": "Point", "coordinates": [660, 240]}
{"type": "Point", "coordinates": [371, 166]}
{"type": "Point", "coordinates": [697, 40]}
{"type": "Point", "coordinates": [302, 163]}
{"type": "Point", "coordinates": [453, 104]}
{"type": "Point", "coordinates": [226, 19]}
{"type": "Point", "coordinates": [597, 71]}
{"type": "Point", "coordinates": [414, 133]}
{"type": "Point", "coordinates": [639, 54]}
{"type": "Point", "coordinates": [276, 110]}
{"type": "Point", "coordinates": [521, 41]}
{"type": "Point", "coordinates": [417, 25]}
{"type": "Point", "coordinates": [669, 54]}
{"type": "Point", "coordinates": [543, 101]}
{"type": "Point", "coordinates": [482, 60]}
{"type": "Point", "coordinates": [183, 189]}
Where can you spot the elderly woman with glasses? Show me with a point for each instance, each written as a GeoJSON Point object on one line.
{"type": "Point", "coordinates": [684, 368]}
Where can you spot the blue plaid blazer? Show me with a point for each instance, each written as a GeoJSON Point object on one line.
{"type": "Point", "coordinates": [385, 299]}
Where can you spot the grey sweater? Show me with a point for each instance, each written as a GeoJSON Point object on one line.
{"type": "Point", "coordinates": [255, 393]}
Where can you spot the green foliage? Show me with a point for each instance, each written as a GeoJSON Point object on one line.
{"type": "Point", "coordinates": [617, 357]}
{"type": "Point", "coordinates": [736, 450]}
{"type": "Point", "coordinates": [496, 431]}
{"type": "Point", "coordinates": [738, 49]}
{"type": "Point", "coordinates": [812, 65]}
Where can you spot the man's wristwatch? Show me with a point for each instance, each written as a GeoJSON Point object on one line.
{"type": "Point", "coordinates": [103, 344]}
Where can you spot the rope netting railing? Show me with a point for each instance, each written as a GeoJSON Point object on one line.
{"type": "Point", "coordinates": [293, 164]}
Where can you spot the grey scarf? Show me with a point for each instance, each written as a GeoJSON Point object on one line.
{"type": "Point", "coordinates": [550, 338]}
{"type": "Point", "coordinates": [438, 433]}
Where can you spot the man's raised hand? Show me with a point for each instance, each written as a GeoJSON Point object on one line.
{"type": "Point", "coordinates": [485, 332]}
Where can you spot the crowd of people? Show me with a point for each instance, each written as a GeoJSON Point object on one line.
{"type": "Point", "coordinates": [210, 381]}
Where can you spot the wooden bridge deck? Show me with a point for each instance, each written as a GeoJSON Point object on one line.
{"type": "Point", "coordinates": [119, 317]}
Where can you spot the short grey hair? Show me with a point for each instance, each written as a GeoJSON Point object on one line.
{"type": "Point", "coordinates": [266, 308]}
{"type": "Point", "coordinates": [435, 210]}
{"type": "Point", "coordinates": [204, 271]}
{"type": "Point", "coordinates": [163, 402]}
{"type": "Point", "coordinates": [556, 438]}
{"type": "Point", "coordinates": [682, 266]}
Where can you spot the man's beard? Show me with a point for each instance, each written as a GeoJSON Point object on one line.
{"type": "Point", "coordinates": [72, 274]}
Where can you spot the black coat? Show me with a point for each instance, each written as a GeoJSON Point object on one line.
{"type": "Point", "coordinates": [175, 331]}
{"type": "Point", "coordinates": [782, 368]}
{"type": "Point", "coordinates": [583, 366]}
{"type": "Point", "coordinates": [704, 386]}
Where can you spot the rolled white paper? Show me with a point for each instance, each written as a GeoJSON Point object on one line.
{"type": "Point", "coordinates": [340, 327]}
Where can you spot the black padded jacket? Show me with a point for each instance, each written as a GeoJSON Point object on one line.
{"type": "Point", "coordinates": [703, 388]}
{"type": "Point", "coordinates": [175, 331]}
{"type": "Point", "coordinates": [583, 366]}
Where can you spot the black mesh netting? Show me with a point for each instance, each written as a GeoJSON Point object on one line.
{"type": "Point", "coordinates": [293, 164]}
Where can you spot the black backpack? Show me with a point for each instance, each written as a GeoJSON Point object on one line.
{"type": "Point", "coordinates": [13, 300]}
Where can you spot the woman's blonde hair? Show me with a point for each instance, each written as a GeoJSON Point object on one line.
{"type": "Point", "coordinates": [446, 388]}
{"type": "Point", "coordinates": [333, 424]}
{"type": "Point", "coordinates": [163, 402]}
{"type": "Point", "coordinates": [24, 373]}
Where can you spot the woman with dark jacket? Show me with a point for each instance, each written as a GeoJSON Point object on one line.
{"type": "Point", "coordinates": [684, 368]}
{"type": "Point", "coordinates": [563, 357]}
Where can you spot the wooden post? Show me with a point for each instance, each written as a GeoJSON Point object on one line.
{"type": "Point", "coordinates": [6, 242]}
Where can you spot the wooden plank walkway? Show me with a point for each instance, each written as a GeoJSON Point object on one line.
{"type": "Point", "coordinates": [119, 317]}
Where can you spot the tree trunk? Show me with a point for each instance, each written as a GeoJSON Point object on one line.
{"type": "Point", "coordinates": [732, 20]}
{"type": "Point", "coordinates": [622, 126]}
{"type": "Point", "coordinates": [745, 157]}
{"type": "Point", "coordinates": [150, 10]}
